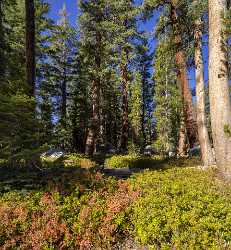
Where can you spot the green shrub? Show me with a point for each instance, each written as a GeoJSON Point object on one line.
{"type": "Point", "coordinates": [91, 213]}
{"type": "Point", "coordinates": [182, 209]}
{"type": "Point", "coordinates": [69, 161]}
{"type": "Point", "coordinates": [78, 160]}
{"type": "Point", "coordinates": [131, 161]}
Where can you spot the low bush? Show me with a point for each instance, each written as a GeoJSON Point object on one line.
{"type": "Point", "coordinates": [133, 161]}
{"type": "Point", "coordinates": [80, 211]}
{"type": "Point", "coordinates": [73, 208]}
{"type": "Point", "coordinates": [78, 160]}
{"type": "Point", "coordinates": [69, 161]}
{"type": "Point", "coordinates": [182, 209]}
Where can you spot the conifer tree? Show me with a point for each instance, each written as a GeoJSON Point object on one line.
{"type": "Point", "coordinates": [30, 45]}
{"type": "Point", "coordinates": [61, 75]}
{"type": "Point", "coordinates": [93, 44]}
{"type": "Point", "coordinates": [144, 64]}
{"type": "Point", "coordinates": [167, 99]}
{"type": "Point", "coordinates": [135, 114]}
{"type": "Point", "coordinates": [173, 18]}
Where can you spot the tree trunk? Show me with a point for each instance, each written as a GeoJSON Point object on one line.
{"type": "Point", "coordinates": [125, 123]}
{"type": "Point", "coordinates": [205, 145]}
{"type": "Point", "coordinates": [182, 142]}
{"type": "Point", "coordinates": [94, 131]}
{"type": "Point", "coordinates": [30, 45]}
{"type": "Point", "coordinates": [220, 108]}
{"type": "Point", "coordinates": [95, 136]}
{"type": "Point", "coordinates": [189, 113]}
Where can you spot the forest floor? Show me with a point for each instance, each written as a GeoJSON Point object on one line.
{"type": "Point", "coordinates": [133, 203]}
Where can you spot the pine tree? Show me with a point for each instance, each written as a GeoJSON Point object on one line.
{"type": "Point", "coordinates": [135, 114]}
{"type": "Point", "coordinates": [61, 76]}
{"type": "Point", "coordinates": [93, 44]}
{"type": "Point", "coordinates": [144, 65]}
{"type": "Point", "coordinates": [167, 99]}
{"type": "Point", "coordinates": [30, 45]}
{"type": "Point", "coordinates": [174, 19]}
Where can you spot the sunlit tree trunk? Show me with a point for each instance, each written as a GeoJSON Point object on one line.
{"type": "Point", "coordinates": [30, 45]}
{"type": "Point", "coordinates": [219, 86]}
{"type": "Point", "coordinates": [182, 76]}
{"type": "Point", "coordinates": [182, 141]}
{"type": "Point", "coordinates": [205, 145]}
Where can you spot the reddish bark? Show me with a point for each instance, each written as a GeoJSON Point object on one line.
{"type": "Point", "coordinates": [182, 76]}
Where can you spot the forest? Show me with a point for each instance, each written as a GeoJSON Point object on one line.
{"type": "Point", "coordinates": [115, 129]}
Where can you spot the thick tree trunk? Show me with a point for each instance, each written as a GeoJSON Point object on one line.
{"type": "Point", "coordinates": [220, 108]}
{"type": "Point", "coordinates": [30, 45]}
{"type": "Point", "coordinates": [125, 122]}
{"type": "Point", "coordinates": [182, 142]}
{"type": "Point", "coordinates": [189, 113]}
{"type": "Point", "coordinates": [205, 145]}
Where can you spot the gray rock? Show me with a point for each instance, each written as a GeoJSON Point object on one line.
{"type": "Point", "coordinates": [53, 154]}
{"type": "Point", "coordinates": [148, 150]}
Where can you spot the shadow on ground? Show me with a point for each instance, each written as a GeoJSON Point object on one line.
{"type": "Point", "coordinates": [153, 165]}
{"type": "Point", "coordinates": [65, 179]}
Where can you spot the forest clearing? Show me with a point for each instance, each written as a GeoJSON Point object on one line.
{"type": "Point", "coordinates": [115, 124]}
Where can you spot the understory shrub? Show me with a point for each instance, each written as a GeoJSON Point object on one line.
{"type": "Point", "coordinates": [75, 208]}
{"type": "Point", "coordinates": [89, 213]}
{"type": "Point", "coordinates": [131, 161]}
{"type": "Point", "coordinates": [182, 209]}
{"type": "Point", "coordinates": [69, 161]}
{"type": "Point", "coordinates": [78, 160]}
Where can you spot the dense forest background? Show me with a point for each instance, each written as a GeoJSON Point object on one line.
{"type": "Point", "coordinates": [115, 125]}
{"type": "Point", "coordinates": [100, 85]}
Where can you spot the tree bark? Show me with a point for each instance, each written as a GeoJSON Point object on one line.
{"type": "Point", "coordinates": [182, 76]}
{"type": "Point", "coordinates": [182, 141]}
{"type": "Point", "coordinates": [95, 137]}
{"type": "Point", "coordinates": [94, 130]}
{"type": "Point", "coordinates": [205, 145]}
{"type": "Point", "coordinates": [30, 45]}
{"type": "Point", "coordinates": [220, 107]}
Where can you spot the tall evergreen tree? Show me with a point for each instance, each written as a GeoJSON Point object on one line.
{"type": "Point", "coordinates": [30, 45]}
{"type": "Point", "coordinates": [93, 44]}
{"type": "Point", "coordinates": [135, 114]}
{"type": "Point", "coordinates": [144, 64]}
{"type": "Point", "coordinates": [167, 98]}
{"type": "Point", "coordinates": [173, 18]}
